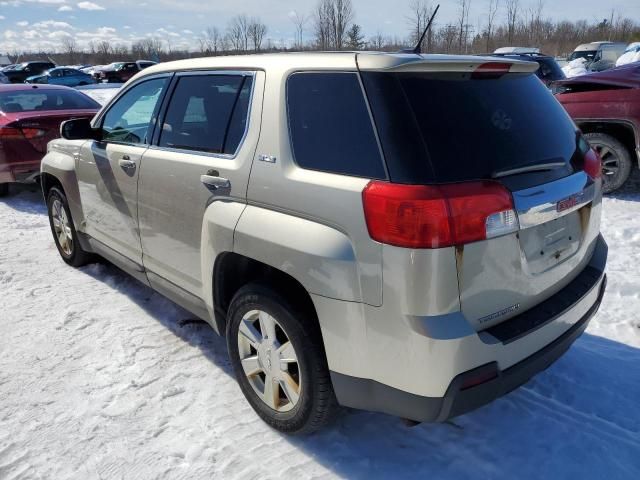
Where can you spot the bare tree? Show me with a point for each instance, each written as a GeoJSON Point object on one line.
{"type": "Point", "coordinates": [69, 48]}
{"type": "Point", "coordinates": [342, 16]}
{"type": "Point", "coordinates": [210, 41]}
{"type": "Point", "coordinates": [463, 25]}
{"type": "Point", "coordinates": [238, 32]}
{"type": "Point", "coordinates": [377, 42]}
{"type": "Point", "coordinates": [512, 19]}
{"type": "Point", "coordinates": [418, 18]}
{"type": "Point", "coordinates": [257, 30]}
{"type": "Point", "coordinates": [331, 19]}
{"type": "Point", "coordinates": [491, 20]}
{"type": "Point", "coordinates": [299, 21]}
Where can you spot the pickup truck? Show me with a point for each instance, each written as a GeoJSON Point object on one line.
{"type": "Point", "coordinates": [606, 107]}
{"type": "Point", "coordinates": [27, 69]}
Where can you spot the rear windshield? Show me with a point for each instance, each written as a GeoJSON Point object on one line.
{"type": "Point", "coordinates": [35, 100]}
{"type": "Point", "coordinates": [450, 127]}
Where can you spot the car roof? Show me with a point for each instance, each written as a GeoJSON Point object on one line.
{"type": "Point", "coordinates": [16, 87]}
{"type": "Point", "coordinates": [595, 45]}
{"type": "Point", "coordinates": [336, 61]}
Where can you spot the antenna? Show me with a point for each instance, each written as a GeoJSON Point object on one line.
{"type": "Point", "coordinates": [418, 48]}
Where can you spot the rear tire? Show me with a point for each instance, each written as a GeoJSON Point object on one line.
{"type": "Point", "coordinates": [4, 189]}
{"type": "Point", "coordinates": [272, 343]}
{"type": "Point", "coordinates": [64, 231]}
{"type": "Point", "coordinates": [616, 161]}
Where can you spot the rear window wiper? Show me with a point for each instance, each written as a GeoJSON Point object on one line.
{"type": "Point", "coordinates": [538, 167]}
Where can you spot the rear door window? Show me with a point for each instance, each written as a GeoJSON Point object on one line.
{"type": "Point", "coordinates": [330, 125]}
{"type": "Point", "coordinates": [451, 127]}
{"type": "Point", "coordinates": [207, 113]}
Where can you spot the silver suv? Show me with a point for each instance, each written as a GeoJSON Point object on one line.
{"type": "Point", "coordinates": [409, 234]}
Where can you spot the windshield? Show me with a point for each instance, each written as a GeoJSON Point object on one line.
{"type": "Point", "coordinates": [41, 100]}
{"type": "Point", "coordinates": [588, 54]}
{"type": "Point", "coordinates": [451, 127]}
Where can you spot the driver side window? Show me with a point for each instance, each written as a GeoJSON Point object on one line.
{"type": "Point", "coordinates": [130, 118]}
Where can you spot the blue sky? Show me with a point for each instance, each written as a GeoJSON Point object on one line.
{"type": "Point", "coordinates": [32, 24]}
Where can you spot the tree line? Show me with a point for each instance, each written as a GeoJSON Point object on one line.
{"type": "Point", "coordinates": [331, 26]}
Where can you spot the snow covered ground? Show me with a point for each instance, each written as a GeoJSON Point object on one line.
{"type": "Point", "coordinates": [102, 378]}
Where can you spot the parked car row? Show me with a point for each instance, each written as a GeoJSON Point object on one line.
{"type": "Point", "coordinates": [72, 76]}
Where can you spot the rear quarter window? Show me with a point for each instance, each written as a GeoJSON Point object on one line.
{"type": "Point", "coordinates": [330, 125]}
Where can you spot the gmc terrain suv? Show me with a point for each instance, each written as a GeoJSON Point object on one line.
{"type": "Point", "coordinates": [409, 234]}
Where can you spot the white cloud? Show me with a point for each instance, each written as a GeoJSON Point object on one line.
{"type": "Point", "coordinates": [59, 34]}
{"type": "Point", "coordinates": [188, 32]}
{"type": "Point", "coordinates": [89, 6]}
{"type": "Point", "coordinates": [50, 2]}
{"type": "Point", "coordinates": [1, 17]}
{"type": "Point", "coordinates": [65, 8]}
{"type": "Point", "coordinates": [22, 23]}
{"type": "Point", "coordinates": [49, 24]}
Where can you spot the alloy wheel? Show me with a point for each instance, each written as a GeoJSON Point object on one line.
{"type": "Point", "coordinates": [61, 227]}
{"type": "Point", "coordinates": [269, 360]}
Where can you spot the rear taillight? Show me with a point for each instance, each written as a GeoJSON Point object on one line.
{"type": "Point", "coordinates": [593, 164]}
{"type": "Point", "coordinates": [10, 133]}
{"type": "Point", "coordinates": [13, 133]}
{"type": "Point", "coordinates": [436, 216]}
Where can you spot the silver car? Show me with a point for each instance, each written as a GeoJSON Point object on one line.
{"type": "Point", "coordinates": [409, 234]}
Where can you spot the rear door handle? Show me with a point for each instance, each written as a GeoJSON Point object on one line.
{"type": "Point", "coordinates": [214, 183]}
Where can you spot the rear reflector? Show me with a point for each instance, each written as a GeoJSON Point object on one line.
{"type": "Point", "coordinates": [593, 164]}
{"type": "Point", "coordinates": [479, 376]}
{"type": "Point", "coordinates": [437, 216]}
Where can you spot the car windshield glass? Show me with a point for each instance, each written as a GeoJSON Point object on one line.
{"type": "Point", "coordinates": [588, 54]}
{"type": "Point", "coordinates": [36, 100]}
{"type": "Point", "coordinates": [451, 127]}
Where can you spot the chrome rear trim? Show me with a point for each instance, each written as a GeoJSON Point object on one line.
{"type": "Point", "coordinates": [543, 203]}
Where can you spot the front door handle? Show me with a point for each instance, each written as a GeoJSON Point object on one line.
{"type": "Point", "coordinates": [214, 183]}
{"type": "Point", "coordinates": [129, 166]}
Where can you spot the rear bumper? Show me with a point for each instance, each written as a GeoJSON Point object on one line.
{"type": "Point", "coordinates": [371, 395]}
{"type": "Point", "coordinates": [23, 172]}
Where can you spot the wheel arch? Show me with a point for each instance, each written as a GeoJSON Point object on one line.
{"type": "Point", "coordinates": [232, 271]}
{"type": "Point", "coordinates": [622, 130]}
{"type": "Point", "coordinates": [66, 180]}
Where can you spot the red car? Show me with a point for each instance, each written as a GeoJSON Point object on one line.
{"type": "Point", "coordinates": [30, 116]}
{"type": "Point", "coordinates": [606, 107]}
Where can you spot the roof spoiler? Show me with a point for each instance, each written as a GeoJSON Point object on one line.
{"type": "Point", "coordinates": [437, 63]}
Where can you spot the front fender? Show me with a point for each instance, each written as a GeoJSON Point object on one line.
{"type": "Point", "coordinates": [321, 258]}
{"type": "Point", "coordinates": [60, 162]}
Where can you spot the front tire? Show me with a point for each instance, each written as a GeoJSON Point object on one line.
{"type": "Point", "coordinates": [277, 355]}
{"type": "Point", "coordinates": [616, 161]}
{"type": "Point", "coordinates": [63, 230]}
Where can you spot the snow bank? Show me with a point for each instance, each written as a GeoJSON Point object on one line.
{"type": "Point", "coordinates": [630, 55]}
{"type": "Point", "coordinates": [575, 68]}
{"type": "Point", "coordinates": [101, 378]}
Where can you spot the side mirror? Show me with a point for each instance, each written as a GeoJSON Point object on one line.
{"type": "Point", "coordinates": [79, 129]}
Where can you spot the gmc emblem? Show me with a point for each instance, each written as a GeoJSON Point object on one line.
{"type": "Point", "coordinates": [568, 202]}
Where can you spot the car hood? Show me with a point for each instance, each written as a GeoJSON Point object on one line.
{"type": "Point", "coordinates": [625, 76]}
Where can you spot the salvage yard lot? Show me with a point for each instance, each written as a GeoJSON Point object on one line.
{"type": "Point", "coordinates": [102, 378]}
